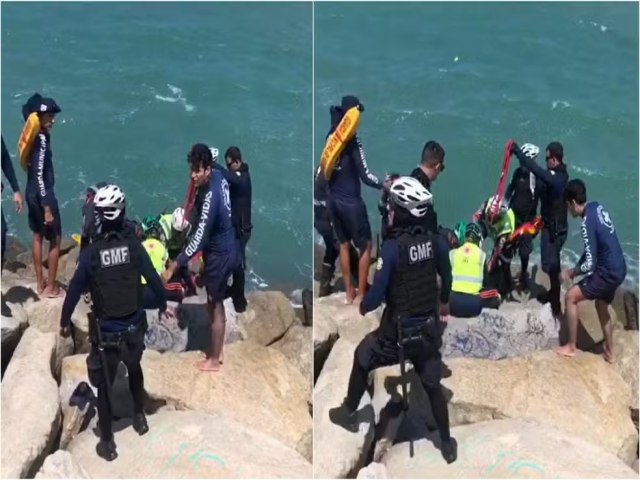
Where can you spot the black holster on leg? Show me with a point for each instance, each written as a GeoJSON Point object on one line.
{"type": "Point", "coordinates": [96, 338]}
{"type": "Point", "coordinates": [413, 335]}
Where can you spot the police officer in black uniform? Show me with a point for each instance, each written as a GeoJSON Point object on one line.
{"type": "Point", "coordinates": [431, 166]}
{"type": "Point", "coordinates": [111, 267]}
{"type": "Point", "coordinates": [239, 179]}
{"type": "Point", "coordinates": [553, 211]}
{"type": "Point", "coordinates": [522, 197]}
{"type": "Point", "coordinates": [406, 277]}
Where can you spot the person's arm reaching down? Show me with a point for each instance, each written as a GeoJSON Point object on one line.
{"type": "Point", "coordinates": [386, 265]}
{"type": "Point", "coordinates": [78, 284]}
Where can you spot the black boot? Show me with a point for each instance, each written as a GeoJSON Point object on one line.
{"type": "Point", "coordinates": [106, 449]}
{"type": "Point", "coordinates": [449, 450]}
{"type": "Point", "coordinates": [140, 424]}
{"type": "Point", "coordinates": [326, 275]}
{"type": "Point", "coordinates": [239, 304]}
{"type": "Point", "coordinates": [344, 417]}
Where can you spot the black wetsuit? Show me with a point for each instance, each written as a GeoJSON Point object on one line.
{"type": "Point", "coordinates": [522, 195]}
{"type": "Point", "coordinates": [554, 215]}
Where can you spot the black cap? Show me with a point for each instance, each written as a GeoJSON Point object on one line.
{"type": "Point", "coordinates": [556, 150]}
{"type": "Point", "coordinates": [349, 101]}
{"type": "Point", "coordinates": [48, 105]}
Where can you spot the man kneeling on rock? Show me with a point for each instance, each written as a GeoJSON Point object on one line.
{"type": "Point", "coordinates": [111, 267]}
{"type": "Point", "coordinates": [410, 326]}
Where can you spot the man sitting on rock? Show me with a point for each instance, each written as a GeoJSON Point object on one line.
{"type": "Point", "coordinates": [602, 262]}
{"type": "Point", "coordinates": [111, 267]}
{"type": "Point", "coordinates": [406, 277]}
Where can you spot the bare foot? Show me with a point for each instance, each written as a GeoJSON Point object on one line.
{"type": "Point", "coordinates": [209, 365]}
{"type": "Point", "coordinates": [566, 351]}
{"type": "Point", "coordinates": [42, 287]}
{"type": "Point", "coordinates": [608, 355]}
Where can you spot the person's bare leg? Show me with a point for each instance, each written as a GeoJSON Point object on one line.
{"type": "Point", "coordinates": [213, 361]}
{"type": "Point", "coordinates": [607, 328]}
{"type": "Point", "coordinates": [52, 289]}
{"type": "Point", "coordinates": [345, 268]}
{"type": "Point", "coordinates": [572, 298]}
{"type": "Point", "coordinates": [210, 312]}
{"type": "Point", "coordinates": [36, 253]}
{"type": "Point", "coordinates": [363, 270]}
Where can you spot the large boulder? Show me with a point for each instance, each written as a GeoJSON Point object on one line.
{"type": "Point", "coordinates": [333, 319]}
{"type": "Point", "coordinates": [589, 329]}
{"type": "Point", "coordinates": [257, 386]}
{"type": "Point", "coordinates": [80, 331]}
{"type": "Point", "coordinates": [504, 449]}
{"type": "Point", "coordinates": [78, 397]}
{"type": "Point", "coordinates": [192, 445]}
{"type": "Point", "coordinates": [296, 346]}
{"type": "Point", "coordinates": [268, 316]}
{"type": "Point", "coordinates": [165, 333]}
{"type": "Point", "coordinates": [12, 329]}
{"type": "Point", "coordinates": [513, 330]}
{"type": "Point", "coordinates": [45, 316]}
{"type": "Point", "coordinates": [373, 470]}
{"type": "Point", "coordinates": [325, 334]}
{"type": "Point", "coordinates": [61, 464]}
{"type": "Point", "coordinates": [338, 452]}
{"type": "Point", "coordinates": [582, 396]}
{"type": "Point", "coordinates": [625, 344]}
{"type": "Point", "coordinates": [30, 405]}
{"type": "Point", "coordinates": [193, 315]}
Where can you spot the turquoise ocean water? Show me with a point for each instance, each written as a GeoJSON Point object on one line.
{"type": "Point", "coordinates": [473, 75]}
{"type": "Point", "coordinates": [140, 83]}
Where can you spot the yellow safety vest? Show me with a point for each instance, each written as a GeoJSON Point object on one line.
{"type": "Point", "coordinates": [157, 253]}
{"type": "Point", "coordinates": [467, 264]}
{"type": "Point", "coordinates": [504, 225]}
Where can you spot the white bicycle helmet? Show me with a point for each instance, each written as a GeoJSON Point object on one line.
{"type": "Point", "coordinates": [109, 202]}
{"type": "Point", "coordinates": [178, 222]}
{"type": "Point", "coordinates": [410, 194]}
{"type": "Point", "coordinates": [489, 205]}
{"type": "Point", "coordinates": [530, 150]}
{"type": "Point", "coordinates": [214, 154]}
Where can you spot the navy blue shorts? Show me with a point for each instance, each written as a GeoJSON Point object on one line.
{"type": "Point", "coordinates": [594, 287]}
{"type": "Point", "coordinates": [218, 276]}
{"type": "Point", "coordinates": [36, 219]}
{"type": "Point", "coordinates": [351, 222]}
